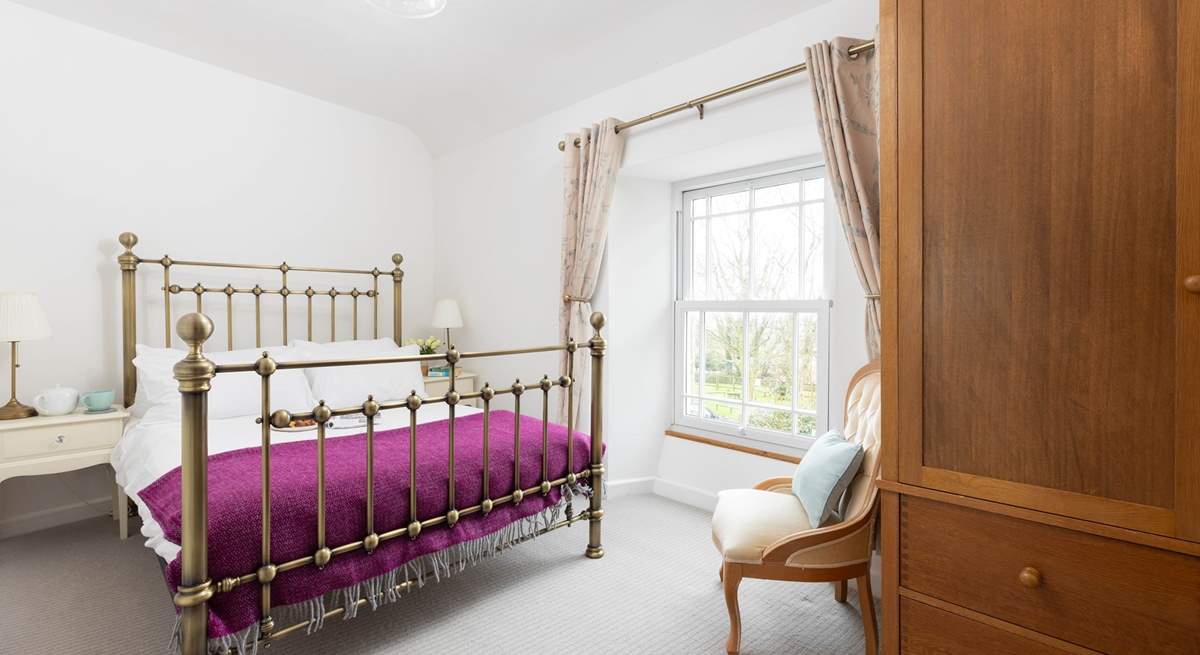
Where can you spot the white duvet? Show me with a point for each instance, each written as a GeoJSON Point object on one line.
{"type": "Point", "coordinates": [150, 448]}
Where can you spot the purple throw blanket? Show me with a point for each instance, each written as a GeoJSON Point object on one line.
{"type": "Point", "coordinates": [235, 512]}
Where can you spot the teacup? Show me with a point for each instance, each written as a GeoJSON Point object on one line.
{"type": "Point", "coordinates": [98, 401]}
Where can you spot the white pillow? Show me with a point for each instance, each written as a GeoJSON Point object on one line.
{"type": "Point", "coordinates": [349, 386]}
{"type": "Point", "coordinates": [232, 394]}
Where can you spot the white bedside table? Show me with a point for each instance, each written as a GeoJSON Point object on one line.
{"type": "Point", "coordinates": [42, 445]}
{"type": "Point", "coordinates": [464, 382]}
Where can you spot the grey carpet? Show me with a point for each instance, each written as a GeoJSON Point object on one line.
{"type": "Point", "coordinates": [78, 589]}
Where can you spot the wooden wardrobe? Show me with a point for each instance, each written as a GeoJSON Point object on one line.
{"type": "Point", "coordinates": [1040, 237]}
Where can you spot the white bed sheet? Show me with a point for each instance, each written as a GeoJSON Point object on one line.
{"type": "Point", "coordinates": [150, 448]}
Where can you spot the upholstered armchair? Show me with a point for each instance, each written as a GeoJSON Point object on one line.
{"type": "Point", "coordinates": [764, 532]}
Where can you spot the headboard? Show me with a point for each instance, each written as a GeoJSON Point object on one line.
{"type": "Point", "coordinates": [129, 262]}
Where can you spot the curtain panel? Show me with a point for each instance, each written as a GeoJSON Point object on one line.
{"type": "Point", "coordinates": [589, 177]}
{"type": "Point", "coordinates": [845, 96]}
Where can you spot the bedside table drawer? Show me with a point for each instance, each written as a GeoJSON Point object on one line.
{"type": "Point", "coordinates": [53, 439]}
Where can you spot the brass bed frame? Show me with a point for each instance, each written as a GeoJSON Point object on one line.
{"type": "Point", "coordinates": [195, 374]}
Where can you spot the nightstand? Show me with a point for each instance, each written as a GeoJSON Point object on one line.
{"type": "Point", "coordinates": [464, 382]}
{"type": "Point", "coordinates": [42, 445]}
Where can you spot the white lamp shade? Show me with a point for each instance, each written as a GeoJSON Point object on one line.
{"type": "Point", "coordinates": [446, 314]}
{"type": "Point", "coordinates": [22, 318]}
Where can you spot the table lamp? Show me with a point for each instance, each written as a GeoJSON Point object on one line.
{"type": "Point", "coordinates": [21, 319]}
{"type": "Point", "coordinates": [446, 315]}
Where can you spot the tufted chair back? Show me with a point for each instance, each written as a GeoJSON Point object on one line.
{"type": "Point", "coordinates": [862, 426]}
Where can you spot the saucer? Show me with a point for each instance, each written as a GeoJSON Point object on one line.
{"type": "Point", "coordinates": [100, 411]}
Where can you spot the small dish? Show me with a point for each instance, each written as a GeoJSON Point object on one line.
{"type": "Point", "coordinates": [302, 428]}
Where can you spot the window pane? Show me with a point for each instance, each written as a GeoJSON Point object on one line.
{"type": "Point", "coordinates": [692, 355]}
{"type": "Point", "coordinates": [776, 256]}
{"type": "Point", "coordinates": [766, 419]}
{"type": "Point", "coordinates": [699, 207]}
{"type": "Point", "coordinates": [699, 288]}
{"type": "Point", "coordinates": [814, 189]}
{"type": "Point", "coordinates": [729, 259]}
{"type": "Point", "coordinates": [724, 412]}
{"type": "Point", "coordinates": [730, 202]}
{"type": "Point", "coordinates": [691, 406]}
{"type": "Point", "coordinates": [812, 252]}
{"type": "Point", "coordinates": [807, 362]}
{"type": "Point", "coordinates": [723, 355]}
{"type": "Point", "coordinates": [780, 194]}
{"type": "Point", "coordinates": [806, 425]}
{"type": "Point", "coordinates": [771, 360]}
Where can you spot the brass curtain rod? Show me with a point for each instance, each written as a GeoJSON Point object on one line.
{"type": "Point", "coordinates": [698, 103]}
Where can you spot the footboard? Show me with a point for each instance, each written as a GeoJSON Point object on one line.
{"type": "Point", "coordinates": [195, 374]}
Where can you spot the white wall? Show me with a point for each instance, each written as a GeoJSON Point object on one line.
{"type": "Point", "coordinates": [498, 231]}
{"type": "Point", "coordinates": [101, 135]}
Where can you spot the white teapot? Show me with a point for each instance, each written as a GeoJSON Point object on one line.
{"type": "Point", "coordinates": [57, 401]}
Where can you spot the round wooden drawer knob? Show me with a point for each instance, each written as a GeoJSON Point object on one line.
{"type": "Point", "coordinates": [1192, 283]}
{"type": "Point", "coordinates": [1030, 577]}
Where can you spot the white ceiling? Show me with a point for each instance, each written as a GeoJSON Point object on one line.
{"type": "Point", "coordinates": [477, 68]}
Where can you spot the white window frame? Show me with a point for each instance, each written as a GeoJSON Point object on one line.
{"type": "Point", "coordinates": [750, 179]}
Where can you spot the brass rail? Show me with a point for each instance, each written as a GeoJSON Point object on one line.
{"type": "Point", "coordinates": [698, 103]}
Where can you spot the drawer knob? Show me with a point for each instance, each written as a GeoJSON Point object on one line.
{"type": "Point", "coordinates": [1192, 283]}
{"type": "Point", "coordinates": [1030, 577]}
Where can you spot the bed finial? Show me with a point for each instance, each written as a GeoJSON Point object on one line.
{"type": "Point", "coordinates": [194, 371]}
{"type": "Point", "coordinates": [129, 240]}
{"type": "Point", "coordinates": [194, 329]}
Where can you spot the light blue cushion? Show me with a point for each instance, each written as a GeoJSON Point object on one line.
{"type": "Point", "coordinates": [823, 474]}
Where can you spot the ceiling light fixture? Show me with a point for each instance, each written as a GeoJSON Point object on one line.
{"type": "Point", "coordinates": [410, 8]}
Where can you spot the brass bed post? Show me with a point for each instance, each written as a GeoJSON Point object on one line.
{"type": "Point", "coordinates": [129, 263]}
{"type": "Point", "coordinates": [518, 493]}
{"type": "Point", "coordinates": [596, 511]}
{"type": "Point", "coordinates": [397, 299]}
{"type": "Point", "coordinates": [194, 374]}
{"type": "Point", "coordinates": [265, 367]}
{"type": "Point", "coordinates": [452, 398]}
{"type": "Point", "coordinates": [284, 292]}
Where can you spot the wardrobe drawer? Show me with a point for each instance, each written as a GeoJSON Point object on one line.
{"type": "Point", "coordinates": [1107, 595]}
{"type": "Point", "coordinates": [926, 630]}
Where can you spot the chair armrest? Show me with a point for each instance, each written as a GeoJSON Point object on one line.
{"type": "Point", "coordinates": [781, 550]}
{"type": "Point", "coordinates": [774, 484]}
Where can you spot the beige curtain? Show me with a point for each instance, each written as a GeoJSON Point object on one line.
{"type": "Point", "coordinates": [589, 176]}
{"type": "Point", "coordinates": [846, 98]}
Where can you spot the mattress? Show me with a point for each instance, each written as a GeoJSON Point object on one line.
{"type": "Point", "coordinates": [150, 448]}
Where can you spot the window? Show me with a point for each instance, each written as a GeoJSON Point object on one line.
{"type": "Point", "coordinates": [751, 313]}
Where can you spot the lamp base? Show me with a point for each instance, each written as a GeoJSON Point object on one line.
{"type": "Point", "coordinates": [14, 409]}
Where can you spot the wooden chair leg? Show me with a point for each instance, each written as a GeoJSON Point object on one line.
{"type": "Point", "coordinates": [732, 576]}
{"type": "Point", "coordinates": [866, 603]}
{"type": "Point", "coordinates": [839, 590]}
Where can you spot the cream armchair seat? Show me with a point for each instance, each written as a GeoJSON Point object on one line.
{"type": "Point", "coordinates": [764, 532]}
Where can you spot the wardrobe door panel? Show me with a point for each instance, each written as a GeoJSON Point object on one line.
{"type": "Point", "coordinates": [1040, 363]}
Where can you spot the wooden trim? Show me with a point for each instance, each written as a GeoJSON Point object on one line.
{"type": "Point", "coordinates": [889, 546]}
{"type": "Point", "coordinates": [1067, 522]}
{"type": "Point", "coordinates": [783, 548]}
{"type": "Point", "coordinates": [708, 441]}
{"type": "Point", "coordinates": [996, 623]}
{"type": "Point", "coordinates": [885, 50]}
{"type": "Point", "coordinates": [1187, 210]}
{"type": "Point", "coordinates": [909, 233]}
{"type": "Point", "coordinates": [1144, 518]}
